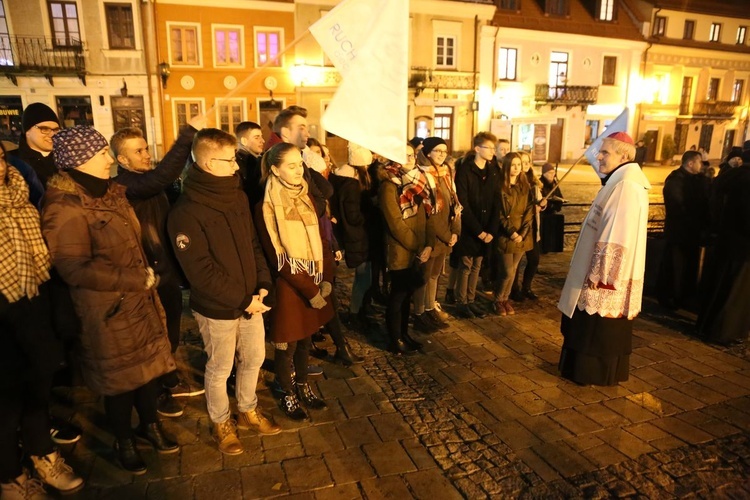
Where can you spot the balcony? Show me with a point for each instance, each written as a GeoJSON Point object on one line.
{"type": "Point", "coordinates": [566, 95]}
{"type": "Point", "coordinates": [30, 56]}
{"type": "Point", "coordinates": [714, 110]}
{"type": "Point", "coordinates": [440, 80]}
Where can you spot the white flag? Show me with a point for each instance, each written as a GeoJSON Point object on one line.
{"type": "Point", "coordinates": [619, 124]}
{"type": "Point", "coordinates": [367, 40]}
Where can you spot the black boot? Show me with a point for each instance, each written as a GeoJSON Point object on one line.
{"type": "Point", "coordinates": [345, 356]}
{"type": "Point", "coordinates": [289, 404]}
{"type": "Point", "coordinates": [318, 352]}
{"type": "Point", "coordinates": [400, 347]}
{"type": "Point", "coordinates": [309, 398]}
{"type": "Point", "coordinates": [129, 457]}
{"type": "Point", "coordinates": [411, 342]}
{"type": "Point", "coordinates": [154, 434]}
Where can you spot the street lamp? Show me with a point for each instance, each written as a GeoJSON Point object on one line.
{"type": "Point", "coordinates": [164, 72]}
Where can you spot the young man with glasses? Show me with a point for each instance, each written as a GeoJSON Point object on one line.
{"type": "Point", "coordinates": [39, 124]}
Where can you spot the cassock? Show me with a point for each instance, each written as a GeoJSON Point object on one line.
{"type": "Point", "coordinates": [604, 287]}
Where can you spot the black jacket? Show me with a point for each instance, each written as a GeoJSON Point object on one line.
{"type": "Point", "coordinates": [250, 174]}
{"type": "Point", "coordinates": [478, 191]}
{"type": "Point", "coordinates": [353, 210]}
{"type": "Point", "coordinates": [214, 239]}
{"type": "Point", "coordinates": [44, 166]}
{"type": "Point", "coordinates": [145, 192]}
{"type": "Point", "coordinates": [686, 205]}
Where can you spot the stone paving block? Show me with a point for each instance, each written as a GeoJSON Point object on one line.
{"type": "Point", "coordinates": [722, 362]}
{"type": "Point", "coordinates": [333, 388]}
{"type": "Point", "coordinates": [486, 369]}
{"type": "Point", "coordinates": [674, 371]}
{"type": "Point", "coordinates": [450, 340]}
{"type": "Point", "coordinates": [175, 487]}
{"type": "Point", "coordinates": [281, 439]}
{"type": "Point", "coordinates": [585, 395]}
{"type": "Point", "coordinates": [700, 392]}
{"type": "Point", "coordinates": [220, 484]}
{"type": "Point", "coordinates": [557, 397]}
{"type": "Point", "coordinates": [637, 361]}
{"type": "Point", "coordinates": [511, 365]}
{"type": "Point", "coordinates": [282, 453]}
{"type": "Point", "coordinates": [320, 439]}
{"type": "Point", "coordinates": [575, 421]}
{"type": "Point", "coordinates": [348, 466]}
{"type": "Point", "coordinates": [262, 481]}
{"type": "Point", "coordinates": [519, 383]}
{"type": "Point", "coordinates": [386, 487]}
{"type": "Point", "coordinates": [359, 405]}
{"type": "Point", "coordinates": [630, 410]}
{"type": "Point", "coordinates": [516, 436]}
{"type": "Point", "coordinates": [388, 458]}
{"type": "Point", "coordinates": [418, 454]}
{"type": "Point", "coordinates": [672, 348]}
{"type": "Point", "coordinates": [105, 472]}
{"type": "Point", "coordinates": [348, 491]}
{"type": "Point", "coordinates": [736, 378]}
{"type": "Point", "coordinates": [520, 346]}
{"type": "Point", "coordinates": [682, 430]}
{"type": "Point", "coordinates": [667, 443]}
{"type": "Point", "coordinates": [602, 415]}
{"type": "Point", "coordinates": [391, 426]}
{"type": "Point", "coordinates": [253, 453]}
{"type": "Point", "coordinates": [477, 353]}
{"type": "Point", "coordinates": [715, 427]}
{"type": "Point", "coordinates": [200, 458]}
{"type": "Point", "coordinates": [636, 385]}
{"type": "Point", "coordinates": [546, 429]}
{"type": "Point", "coordinates": [307, 473]}
{"type": "Point", "coordinates": [564, 459]}
{"type": "Point", "coordinates": [604, 455]}
{"type": "Point", "coordinates": [459, 373]}
{"type": "Point", "coordinates": [531, 403]}
{"type": "Point", "coordinates": [654, 355]}
{"type": "Point", "coordinates": [646, 431]}
{"type": "Point", "coordinates": [729, 414]}
{"type": "Point", "coordinates": [583, 442]}
{"type": "Point", "coordinates": [653, 404]}
{"type": "Point", "coordinates": [538, 465]}
{"type": "Point", "coordinates": [653, 377]}
{"type": "Point", "coordinates": [678, 399]}
{"type": "Point", "coordinates": [625, 443]}
{"type": "Point", "coordinates": [502, 409]}
{"type": "Point", "coordinates": [127, 491]}
{"type": "Point", "coordinates": [722, 386]}
{"type": "Point", "coordinates": [542, 377]}
{"type": "Point", "coordinates": [696, 366]}
{"type": "Point", "coordinates": [363, 385]}
{"type": "Point", "coordinates": [613, 391]}
{"type": "Point", "coordinates": [334, 413]}
{"type": "Point", "coordinates": [492, 388]}
{"type": "Point", "coordinates": [742, 404]}
{"type": "Point", "coordinates": [466, 392]}
{"type": "Point", "coordinates": [431, 484]}
{"type": "Point", "coordinates": [357, 431]}
{"type": "Point", "coordinates": [499, 350]}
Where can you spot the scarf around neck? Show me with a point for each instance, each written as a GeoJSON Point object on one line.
{"type": "Point", "coordinates": [292, 225]}
{"type": "Point", "coordinates": [434, 174]}
{"type": "Point", "coordinates": [24, 258]}
{"type": "Point", "coordinates": [412, 189]}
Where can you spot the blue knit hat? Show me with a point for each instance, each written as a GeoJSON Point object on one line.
{"type": "Point", "coordinates": [75, 146]}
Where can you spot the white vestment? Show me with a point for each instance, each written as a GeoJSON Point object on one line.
{"type": "Point", "coordinates": [611, 250]}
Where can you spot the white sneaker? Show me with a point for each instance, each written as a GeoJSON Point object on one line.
{"type": "Point", "coordinates": [53, 470]}
{"type": "Point", "coordinates": [24, 488]}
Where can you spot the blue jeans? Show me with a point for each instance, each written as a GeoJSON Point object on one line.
{"type": "Point", "coordinates": [362, 282]}
{"type": "Point", "coordinates": [223, 340]}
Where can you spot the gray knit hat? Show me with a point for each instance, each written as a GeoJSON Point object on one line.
{"type": "Point", "coordinates": [75, 146]}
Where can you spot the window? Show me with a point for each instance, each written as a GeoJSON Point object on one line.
{"type": "Point", "coordinates": [660, 26]}
{"type": "Point", "coordinates": [713, 89]}
{"type": "Point", "coordinates": [509, 4]}
{"type": "Point", "coordinates": [120, 31]}
{"type": "Point", "coordinates": [558, 74]}
{"type": "Point", "coordinates": [184, 44]}
{"type": "Point", "coordinates": [228, 45]}
{"type": "Point", "coordinates": [64, 22]}
{"type": "Point", "coordinates": [74, 111]}
{"type": "Point", "coordinates": [506, 64]}
{"type": "Point", "coordinates": [689, 32]}
{"type": "Point", "coordinates": [185, 110]}
{"type": "Point", "coordinates": [446, 52]}
{"type": "Point", "coordinates": [609, 70]}
{"type": "Point", "coordinates": [6, 53]}
{"type": "Point", "coordinates": [230, 114]}
{"type": "Point", "coordinates": [442, 123]}
{"type": "Point", "coordinates": [592, 132]}
{"type": "Point", "coordinates": [606, 10]}
{"type": "Point", "coordinates": [715, 35]}
{"type": "Point", "coordinates": [557, 8]}
{"type": "Point", "coordinates": [741, 34]}
{"type": "Point", "coordinates": [687, 92]}
{"type": "Point", "coordinates": [737, 90]}
{"type": "Point", "coordinates": [268, 46]}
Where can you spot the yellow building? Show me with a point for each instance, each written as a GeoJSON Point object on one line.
{"type": "Point", "coordinates": [694, 80]}
{"type": "Point", "coordinates": [206, 52]}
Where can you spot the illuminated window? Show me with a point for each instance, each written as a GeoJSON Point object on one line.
{"type": "Point", "coordinates": [184, 44]}
{"type": "Point", "coordinates": [442, 124]}
{"type": "Point", "coordinates": [506, 64]}
{"type": "Point", "coordinates": [606, 10]}
{"type": "Point", "coordinates": [6, 53]}
{"type": "Point", "coordinates": [64, 21]}
{"type": "Point", "coordinates": [446, 52]}
{"type": "Point", "coordinates": [737, 90]}
{"type": "Point", "coordinates": [715, 35]}
{"type": "Point", "coordinates": [741, 34]}
{"type": "Point", "coordinates": [268, 46]}
{"type": "Point", "coordinates": [660, 26]}
{"type": "Point", "coordinates": [230, 114]}
{"type": "Point", "coordinates": [228, 45]}
{"type": "Point", "coordinates": [185, 110]}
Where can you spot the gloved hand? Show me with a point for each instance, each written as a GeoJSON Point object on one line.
{"type": "Point", "coordinates": [152, 279]}
{"type": "Point", "coordinates": [318, 302]}
{"type": "Point", "coordinates": [325, 289]}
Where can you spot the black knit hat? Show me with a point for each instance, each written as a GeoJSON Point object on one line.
{"type": "Point", "coordinates": [430, 143]}
{"type": "Point", "coordinates": [36, 113]}
{"type": "Point", "coordinates": [415, 141]}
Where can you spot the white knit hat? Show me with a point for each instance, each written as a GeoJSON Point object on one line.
{"type": "Point", "coordinates": [359, 156]}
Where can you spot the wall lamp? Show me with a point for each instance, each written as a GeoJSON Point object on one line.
{"type": "Point", "coordinates": [164, 73]}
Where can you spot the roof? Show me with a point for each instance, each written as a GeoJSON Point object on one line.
{"type": "Point", "coordinates": [727, 8]}
{"type": "Point", "coordinates": [581, 21]}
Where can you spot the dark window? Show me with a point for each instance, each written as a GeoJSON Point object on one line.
{"type": "Point", "coordinates": [741, 34]}
{"type": "Point", "coordinates": [74, 111]}
{"type": "Point", "coordinates": [689, 31]}
{"type": "Point", "coordinates": [660, 26]}
{"type": "Point", "coordinates": [120, 25]}
{"type": "Point", "coordinates": [609, 70]}
{"type": "Point", "coordinates": [6, 53]}
{"type": "Point", "coordinates": [509, 4]}
{"type": "Point", "coordinates": [64, 22]}
{"type": "Point", "coordinates": [687, 91]}
{"type": "Point", "coordinates": [606, 10]}
{"type": "Point", "coordinates": [557, 7]}
{"type": "Point", "coordinates": [713, 89]}
{"type": "Point", "coordinates": [506, 64]}
{"type": "Point", "coordinates": [715, 35]}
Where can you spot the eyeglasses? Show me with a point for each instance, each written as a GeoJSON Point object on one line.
{"type": "Point", "coordinates": [230, 160]}
{"type": "Point", "coordinates": [440, 151]}
{"type": "Point", "coordinates": [48, 130]}
{"type": "Point", "coordinates": [487, 147]}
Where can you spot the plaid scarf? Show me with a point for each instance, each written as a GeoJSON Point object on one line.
{"type": "Point", "coordinates": [411, 189]}
{"type": "Point", "coordinates": [434, 174]}
{"type": "Point", "coordinates": [24, 258]}
{"type": "Point", "coordinates": [292, 224]}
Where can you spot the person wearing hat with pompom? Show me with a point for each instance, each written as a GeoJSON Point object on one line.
{"type": "Point", "coordinates": [602, 293]}
{"type": "Point", "coordinates": [94, 239]}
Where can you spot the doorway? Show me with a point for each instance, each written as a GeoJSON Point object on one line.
{"type": "Point", "coordinates": [650, 140]}
{"type": "Point", "coordinates": [707, 132]}
{"type": "Point", "coordinates": [129, 112]}
{"type": "Point", "coordinates": [728, 142]}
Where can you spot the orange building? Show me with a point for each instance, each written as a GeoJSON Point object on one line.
{"type": "Point", "coordinates": [206, 51]}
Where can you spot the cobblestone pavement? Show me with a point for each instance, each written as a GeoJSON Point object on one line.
{"type": "Point", "coordinates": [482, 413]}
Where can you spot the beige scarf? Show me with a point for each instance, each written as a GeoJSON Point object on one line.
{"type": "Point", "coordinates": [293, 226]}
{"type": "Point", "coordinates": [24, 258]}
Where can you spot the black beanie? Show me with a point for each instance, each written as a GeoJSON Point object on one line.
{"type": "Point", "coordinates": [430, 143]}
{"type": "Point", "coordinates": [36, 113]}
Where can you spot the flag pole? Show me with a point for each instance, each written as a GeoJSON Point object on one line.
{"type": "Point", "coordinates": [255, 73]}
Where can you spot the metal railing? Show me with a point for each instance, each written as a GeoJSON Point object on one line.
{"type": "Point", "coordinates": [566, 95]}
{"type": "Point", "coordinates": [724, 109]}
{"type": "Point", "coordinates": [40, 55]}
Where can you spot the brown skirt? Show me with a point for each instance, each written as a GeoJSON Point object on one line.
{"type": "Point", "coordinates": [596, 350]}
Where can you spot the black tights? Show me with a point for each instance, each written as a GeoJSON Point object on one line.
{"type": "Point", "coordinates": [25, 405]}
{"type": "Point", "coordinates": [296, 353]}
{"type": "Point", "coordinates": [399, 301]}
{"type": "Point", "coordinates": [119, 409]}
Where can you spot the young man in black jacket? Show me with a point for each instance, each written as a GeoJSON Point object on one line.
{"type": "Point", "coordinates": [215, 242]}
{"type": "Point", "coordinates": [145, 187]}
{"type": "Point", "coordinates": [249, 150]}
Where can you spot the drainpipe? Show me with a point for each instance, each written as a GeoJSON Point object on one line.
{"type": "Point", "coordinates": [476, 83]}
{"type": "Point", "coordinates": [643, 75]}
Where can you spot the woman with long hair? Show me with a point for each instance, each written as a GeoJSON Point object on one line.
{"type": "Point", "coordinates": [443, 228]}
{"type": "Point", "coordinates": [516, 216]}
{"type": "Point", "coordinates": [301, 257]}
{"type": "Point", "coordinates": [404, 200]}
